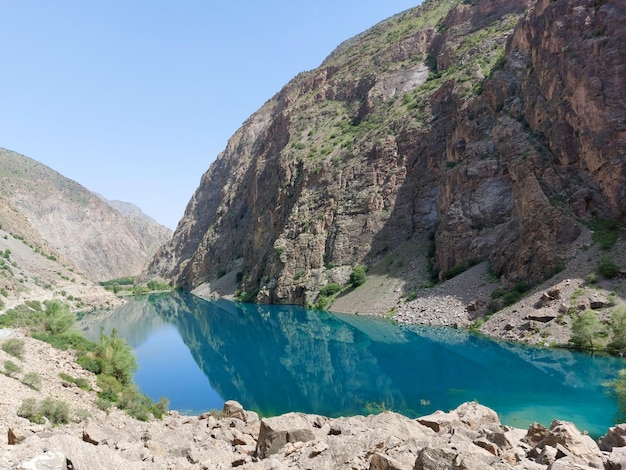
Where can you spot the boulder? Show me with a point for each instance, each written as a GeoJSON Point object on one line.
{"type": "Point", "coordinates": [616, 459]}
{"type": "Point", "coordinates": [384, 462]}
{"type": "Point", "coordinates": [615, 437]}
{"type": "Point", "coordinates": [233, 409]}
{"type": "Point", "coordinates": [477, 416]}
{"type": "Point", "coordinates": [570, 443]}
{"type": "Point", "coordinates": [16, 435]}
{"type": "Point", "coordinates": [47, 461]}
{"type": "Point", "coordinates": [277, 431]}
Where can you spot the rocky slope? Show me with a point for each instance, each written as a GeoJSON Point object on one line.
{"type": "Point", "coordinates": [469, 437]}
{"type": "Point", "coordinates": [27, 273]}
{"type": "Point", "coordinates": [66, 221]}
{"type": "Point", "coordinates": [495, 127]}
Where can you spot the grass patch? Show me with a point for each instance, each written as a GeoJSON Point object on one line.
{"type": "Point", "coordinates": [14, 347]}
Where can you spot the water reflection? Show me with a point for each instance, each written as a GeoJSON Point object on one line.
{"type": "Point", "coordinates": [275, 359]}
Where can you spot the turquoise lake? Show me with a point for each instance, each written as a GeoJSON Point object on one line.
{"type": "Point", "coordinates": [276, 359]}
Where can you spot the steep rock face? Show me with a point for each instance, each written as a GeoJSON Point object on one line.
{"type": "Point", "coordinates": [65, 219]}
{"type": "Point", "coordinates": [468, 120]}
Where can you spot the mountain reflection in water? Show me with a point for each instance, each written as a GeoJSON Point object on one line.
{"type": "Point", "coordinates": [276, 359]}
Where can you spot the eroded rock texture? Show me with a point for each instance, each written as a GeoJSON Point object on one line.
{"type": "Point", "coordinates": [496, 126]}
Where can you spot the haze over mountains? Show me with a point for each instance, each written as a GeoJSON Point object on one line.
{"type": "Point", "coordinates": [64, 226]}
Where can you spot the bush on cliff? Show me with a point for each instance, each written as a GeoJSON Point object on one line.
{"type": "Point", "coordinates": [358, 276]}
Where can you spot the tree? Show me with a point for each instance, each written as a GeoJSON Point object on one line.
{"type": "Point", "coordinates": [585, 328]}
{"type": "Point", "coordinates": [59, 319]}
{"type": "Point", "coordinates": [617, 388]}
{"type": "Point", "coordinates": [618, 326]}
{"type": "Point", "coordinates": [117, 358]}
{"type": "Point", "coordinates": [357, 276]}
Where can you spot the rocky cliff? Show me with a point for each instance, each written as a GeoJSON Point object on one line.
{"type": "Point", "coordinates": [495, 127]}
{"type": "Point", "coordinates": [66, 221]}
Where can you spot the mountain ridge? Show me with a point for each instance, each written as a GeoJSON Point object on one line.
{"type": "Point", "coordinates": [437, 121]}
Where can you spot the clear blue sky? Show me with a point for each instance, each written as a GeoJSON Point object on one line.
{"type": "Point", "coordinates": [135, 98]}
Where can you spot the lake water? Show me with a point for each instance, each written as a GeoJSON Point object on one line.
{"type": "Point", "coordinates": [276, 359]}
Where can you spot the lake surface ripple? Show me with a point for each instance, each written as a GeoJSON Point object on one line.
{"type": "Point", "coordinates": [276, 359]}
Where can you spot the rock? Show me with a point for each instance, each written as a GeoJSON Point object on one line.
{"type": "Point", "coordinates": [616, 459]}
{"type": "Point", "coordinates": [476, 305]}
{"type": "Point", "coordinates": [384, 462]}
{"type": "Point", "coordinates": [536, 433]}
{"type": "Point", "coordinates": [234, 409]}
{"type": "Point", "coordinates": [276, 432]}
{"type": "Point", "coordinates": [615, 437]}
{"type": "Point", "coordinates": [47, 461]}
{"type": "Point", "coordinates": [544, 317]}
{"type": "Point", "coordinates": [597, 304]}
{"type": "Point", "coordinates": [16, 435]}
{"type": "Point", "coordinates": [570, 442]}
{"type": "Point", "coordinates": [95, 435]}
{"type": "Point", "coordinates": [476, 416]}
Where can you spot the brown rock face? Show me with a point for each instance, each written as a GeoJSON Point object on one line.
{"type": "Point", "coordinates": [64, 219]}
{"type": "Point", "coordinates": [496, 126]}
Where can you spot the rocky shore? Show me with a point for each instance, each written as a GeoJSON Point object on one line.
{"type": "Point", "coordinates": [469, 437]}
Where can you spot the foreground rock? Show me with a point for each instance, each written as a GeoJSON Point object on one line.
{"type": "Point", "coordinates": [469, 437]}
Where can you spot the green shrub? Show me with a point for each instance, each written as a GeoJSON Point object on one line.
{"type": "Point", "coordinates": [102, 404]}
{"type": "Point", "coordinates": [585, 329]}
{"type": "Point", "coordinates": [90, 362]}
{"type": "Point", "coordinates": [14, 347]}
{"type": "Point", "coordinates": [455, 270]}
{"type": "Point", "coordinates": [607, 267]}
{"type": "Point", "coordinates": [28, 409]}
{"type": "Point", "coordinates": [117, 357]}
{"type": "Point", "coordinates": [81, 382]}
{"type": "Point", "coordinates": [32, 380]}
{"type": "Point", "coordinates": [358, 276]}
{"type": "Point", "coordinates": [55, 411]}
{"type": "Point", "coordinates": [58, 317]}
{"type": "Point", "coordinates": [605, 232]}
{"type": "Point", "coordinates": [11, 368]}
{"type": "Point", "coordinates": [618, 327]}
{"type": "Point", "coordinates": [330, 289]}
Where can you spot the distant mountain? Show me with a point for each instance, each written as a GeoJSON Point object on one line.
{"type": "Point", "coordinates": [68, 221]}
{"type": "Point", "coordinates": [143, 223]}
{"type": "Point", "coordinates": [488, 129]}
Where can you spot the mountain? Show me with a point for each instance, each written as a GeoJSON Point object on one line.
{"type": "Point", "coordinates": [475, 130]}
{"type": "Point", "coordinates": [64, 220]}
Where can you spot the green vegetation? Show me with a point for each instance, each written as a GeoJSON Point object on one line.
{"type": "Point", "coordinates": [59, 319]}
{"type": "Point", "coordinates": [11, 368]}
{"type": "Point", "coordinates": [81, 382]}
{"type": "Point", "coordinates": [327, 294]}
{"type": "Point", "coordinates": [585, 329]}
{"type": "Point", "coordinates": [111, 359]}
{"type": "Point", "coordinates": [605, 232]}
{"type": "Point", "coordinates": [618, 327]}
{"type": "Point", "coordinates": [32, 380]}
{"type": "Point", "coordinates": [14, 347]}
{"type": "Point", "coordinates": [617, 388]}
{"type": "Point", "coordinates": [127, 286]}
{"type": "Point", "coordinates": [358, 276]}
{"type": "Point", "coordinates": [330, 289]}
{"type": "Point", "coordinates": [55, 411]}
{"type": "Point", "coordinates": [504, 297]}
{"type": "Point", "coordinates": [607, 267]}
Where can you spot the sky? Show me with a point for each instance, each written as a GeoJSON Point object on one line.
{"type": "Point", "coordinates": [134, 99]}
